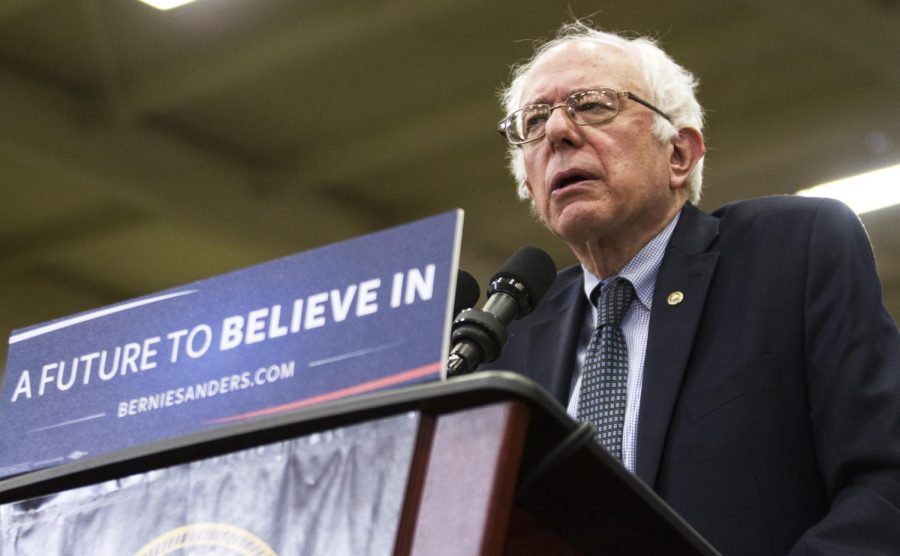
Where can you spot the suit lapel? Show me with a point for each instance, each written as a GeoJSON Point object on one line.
{"type": "Point", "coordinates": [686, 268]}
{"type": "Point", "coordinates": [553, 335]}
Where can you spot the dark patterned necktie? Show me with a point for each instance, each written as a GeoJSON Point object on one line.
{"type": "Point", "coordinates": [604, 379]}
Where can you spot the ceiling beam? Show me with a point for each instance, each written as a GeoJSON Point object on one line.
{"type": "Point", "coordinates": [860, 32]}
{"type": "Point", "coordinates": [283, 45]}
{"type": "Point", "coordinates": [23, 251]}
{"type": "Point", "coordinates": [149, 171]}
{"type": "Point", "coordinates": [395, 146]}
{"type": "Point", "coordinates": [10, 8]}
{"type": "Point", "coordinates": [104, 55]}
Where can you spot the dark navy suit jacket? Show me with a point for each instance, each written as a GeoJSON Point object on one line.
{"type": "Point", "coordinates": [770, 411]}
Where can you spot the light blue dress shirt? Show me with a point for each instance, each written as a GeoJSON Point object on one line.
{"type": "Point", "coordinates": [641, 271]}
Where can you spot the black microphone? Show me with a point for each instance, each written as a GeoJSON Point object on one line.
{"type": "Point", "coordinates": [467, 292]}
{"type": "Point", "coordinates": [479, 335]}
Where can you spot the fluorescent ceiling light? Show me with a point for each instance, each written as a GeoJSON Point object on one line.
{"type": "Point", "coordinates": [166, 4]}
{"type": "Point", "coordinates": [864, 192]}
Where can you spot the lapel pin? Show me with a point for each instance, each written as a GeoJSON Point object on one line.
{"type": "Point", "coordinates": [675, 298]}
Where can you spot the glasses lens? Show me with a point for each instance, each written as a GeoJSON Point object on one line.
{"type": "Point", "coordinates": [527, 124]}
{"type": "Point", "coordinates": [593, 107]}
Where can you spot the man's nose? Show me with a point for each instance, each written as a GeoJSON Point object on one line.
{"type": "Point", "coordinates": [560, 127]}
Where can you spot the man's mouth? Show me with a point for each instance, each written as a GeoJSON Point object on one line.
{"type": "Point", "coordinates": [567, 178]}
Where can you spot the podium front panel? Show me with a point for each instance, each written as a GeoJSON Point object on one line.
{"type": "Point", "coordinates": [339, 491]}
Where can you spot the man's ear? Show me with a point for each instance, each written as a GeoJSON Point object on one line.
{"type": "Point", "coordinates": [530, 191]}
{"type": "Point", "coordinates": [687, 150]}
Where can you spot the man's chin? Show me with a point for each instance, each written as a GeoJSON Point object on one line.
{"type": "Point", "coordinates": [577, 223]}
{"type": "Point", "coordinates": [578, 231]}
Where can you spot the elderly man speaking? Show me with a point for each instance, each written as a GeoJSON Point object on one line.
{"type": "Point", "coordinates": [740, 363]}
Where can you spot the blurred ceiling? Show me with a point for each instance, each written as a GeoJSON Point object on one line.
{"type": "Point", "coordinates": [140, 150]}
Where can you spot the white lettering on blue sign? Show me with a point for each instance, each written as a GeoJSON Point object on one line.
{"type": "Point", "coordinates": [257, 325]}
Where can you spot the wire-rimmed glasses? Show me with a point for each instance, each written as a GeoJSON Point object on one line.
{"type": "Point", "coordinates": [589, 107]}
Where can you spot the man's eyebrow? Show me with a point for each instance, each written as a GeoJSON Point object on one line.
{"type": "Point", "coordinates": [538, 100]}
{"type": "Point", "coordinates": [542, 99]}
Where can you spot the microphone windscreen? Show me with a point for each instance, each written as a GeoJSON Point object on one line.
{"type": "Point", "coordinates": [532, 267]}
{"type": "Point", "coordinates": [467, 292]}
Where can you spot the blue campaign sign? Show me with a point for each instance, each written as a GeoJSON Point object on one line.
{"type": "Point", "coordinates": [346, 319]}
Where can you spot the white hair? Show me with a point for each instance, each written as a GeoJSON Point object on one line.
{"type": "Point", "coordinates": [670, 87]}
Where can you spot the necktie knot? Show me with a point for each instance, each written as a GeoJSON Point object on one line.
{"type": "Point", "coordinates": [613, 301]}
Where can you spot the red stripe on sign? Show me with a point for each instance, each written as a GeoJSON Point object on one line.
{"type": "Point", "coordinates": [418, 372]}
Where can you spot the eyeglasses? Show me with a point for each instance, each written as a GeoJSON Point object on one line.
{"type": "Point", "coordinates": [589, 107]}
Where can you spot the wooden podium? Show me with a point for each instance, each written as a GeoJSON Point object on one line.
{"type": "Point", "coordinates": [496, 467]}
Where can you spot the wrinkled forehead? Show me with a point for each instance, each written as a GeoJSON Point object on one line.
{"type": "Point", "coordinates": [569, 67]}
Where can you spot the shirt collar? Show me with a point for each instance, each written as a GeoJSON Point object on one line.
{"type": "Point", "coordinates": [642, 269]}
